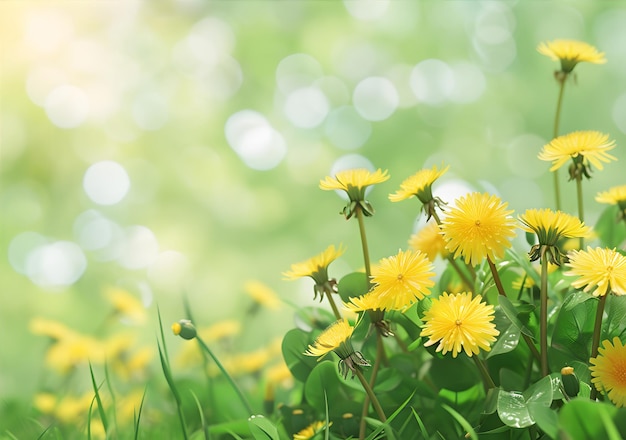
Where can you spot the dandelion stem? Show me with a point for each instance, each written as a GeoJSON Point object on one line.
{"type": "Point", "coordinates": [375, 368]}
{"type": "Point", "coordinates": [487, 380]}
{"type": "Point", "coordinates": [561, 77]}
{"type": "Point", "coordinates": [466, 280]}
{"type": "Point", "coordinates": [226, 375]}
{"type": "Point", "coordinates": [366, 252]}
{"type": "Point", "coordinates": [370, 393]}
{"type": "Point", "coordinates": [595, 342]}
{"type": "Point", "coordinates": [496, 277]}
{"type": "Point", "coordinates": [543, 316]}
{"type": "Point", "coordinates": [581, 211]}
{"type": "Point", "coordinates": [333, 305]}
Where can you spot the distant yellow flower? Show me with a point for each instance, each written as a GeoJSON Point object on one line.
{"type": "Point", "coordinates": [354, 182]}
{"type": "Point", "coordinates": [262, 294]}
{"type": "Point", "coordinates": [309, 432]}
{"type": "Point", "coordinates": [478, 227]}
{"type": "Point", "coordinates": [614, 196]}
{"type": "Point", "coordinates": [316, 268]}
{"type": "Point", "coordinates": [570, 53]}
{"type": "Point", "coordinates": [337, 338]}
{"type": "Point", "coordinates": [73, 351]}
{"type": "Point", "coordinates": [460, 323]}
{"type": "Point", "coordinates": [599, 268]}
{"type": "Point", "coordinates": [243, 363]}
{"type": "Point", "coordinates": [429, 241]}
{"type": "Point", "coordinates": [550, 226]}
{"type": "Point", "coordinates": [45, 402]}
{"type": "Point", "coordinates": [48, 327]}
{"type": "Point", "coordinates": [126, 304]}
{"type": "Point", "coordinates": [402, 279]}
{"type": "Point", "coordinates": [583, 147]}
{"type": "Point", "coordinates": [419, 185]}
{"type": "Point", "coordinates": [608, 371]}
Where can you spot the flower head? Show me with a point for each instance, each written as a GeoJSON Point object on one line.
{"type": "Point", "coordinates": [317, 268]}
{"type": "Point", "coordinates": [262, 294]}
{"type": "Point", "coordinates": [402, 279]}
{"type": "Point", "coordinates": [478, 227]}
{"type": "Point", "coordinates": [354, 182]}
{"type": "Point", "coordinates": [337, 338]}
{"type": "Point", "coordinates": [126, 304]}
{"type": "Point", "coordinates": [310, 431]}
{"type": "Point", "coordinates": [460, 323]}
{"type": "Point", "coordinates": [608, 371]}
{"type": "Point", "coordinates": [615, 196]}
{"type": "Point", "coordinates": [429, 241]}
{"type": "Point", "coordinates": [583, 147]}
{"type": "Point", "coordinates": [420, 186]}
{"type": "Point", "coordinates": [550, 226]}
{"type": "Point", "coordinates": [604, 269]}
{"type": "Point", "coordinates": [570, 53]}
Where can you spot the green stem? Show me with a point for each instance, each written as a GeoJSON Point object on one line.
{"type": "Point", "coordinates": [466, 280]}
{"type": "Point", "coordinates": [226, 375]}
{"type": "Point", "coordinates": [333, 305]}
{"type": "Point", "coordinates": [487, 380]}
{"type": "Point", "coordinates": [366, 252]}
{"type": "Point", "coordinates": [496, 277]}
{"type": "Point", "coordinates": [375, 368]}
{"type": "Point", "coordinates": [543, 316]}
{"type": "Point", "coordinates": [557, 119]}
{"type": "Point", "coordinates": [581, 211]}
{"type": "Point", "coordinates": [597, 332]}
{"type": "Point", "coordinates": [370, 393]}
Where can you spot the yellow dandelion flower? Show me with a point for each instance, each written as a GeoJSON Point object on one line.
{"type": "Point", "coordinates": [608, 371]}
{"type": "Point", "coordinates": [45, 402]}
{"type": "Point", "coordinates": [419, 185]}
{"type": "Point", "coordinates": [550, 226]}
{"type": "Point", "coordinates": [53, 329]}
{"type": "Point", "coordinates": [354, 182]}
{"type": "Point", "coordinates": [570, 53]}
{"type": "Point", "coordinates": [126, 304]}
{"type": "Point", "coordinates": [599, 268]}
{"type": "Point", "coordinates": [478, 227]}
{"type": "Point", "coordinates": [335, 337]}
{"type": "Point", "coordinates": [402, 279]}
{"type": "Point", "coordinates": [614, 196]}
{"type": "Point", "coordinates": [460, 323]}
{"type": "Point", "coordinates": [429, 241]}
{"type": "Point", "coordinates": [310, 431]}
{"type": "Point", "coordinates": [369, 301]}
{"type": "Point", "coordinates": [582, 146]}
{"type": "Point", "coordinates": [262, 294]}
{"type": "Point", "coordinates": [316, 268]}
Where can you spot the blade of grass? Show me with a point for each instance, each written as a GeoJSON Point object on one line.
{"type": "Point", "coordinates": [110, 388]}
{"type": "Point", "coordinates": [382, 426]}
{"type": "Point", "coordinates": [101, 411]}
{"type": "Point", "coordinates": [420, 423]}
{"type": "Point", "coordinates": [170, 381]}
{"type": "Point", "coordinates": [137, 416]}
{"type": "Point", "coordinates": [462, 421]}
{"type": "Point", "coordinates": [326, 428]}
{"type": "Point", "coordinates": [205, 428]}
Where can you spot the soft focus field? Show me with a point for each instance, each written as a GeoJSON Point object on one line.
{"type": "Point", "coordinates": [171, 151]}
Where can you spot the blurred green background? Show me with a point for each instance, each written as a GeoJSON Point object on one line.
{"type": "Point", "coordinates": [174, 148]}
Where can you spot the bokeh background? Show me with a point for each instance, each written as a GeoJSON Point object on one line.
{"type": "Point", "coordinates": [173, 148]}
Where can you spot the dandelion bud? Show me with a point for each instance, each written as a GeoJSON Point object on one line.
{"type": "Point", "coordinates": [571, 384]}
{"type": "Point", "coordinates": [184, 328]}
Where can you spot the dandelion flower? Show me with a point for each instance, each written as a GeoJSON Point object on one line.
{"type": "Point", "coordinates": [369, 301]}
{"type": "Point", "coordinates": [460, 323]}
{"type": "Point", "coordinates": [126, 304]}
{"type": "Point", "coordinates": [599, 268]}
{"type": "Point", "coordinates": [614, 196]}
{"type": "Point", "coordinates": [310, 431]}
{"type": "Point", "coordinates": [316, 268]}
{"type": "Point", "coordinates": [419, 185]}
{"type": "Point", "coordinates": [354, 182]}
{"type": "Point", "coordinates": [582, 146]}
{"type": "Point", "coordinates": [608, 371]}
{"type": "Point", "coordinates": [337, 338]}
{"type": "Point", "coordinates": [402, 279]}
{"type": "Point", "coordinates": [478, 227]}
{"type": "Point", "coordinates": [429, 241]}
{"type": "Point", "coordinates": [550, 226]}
{"type": "Point", "coordinates": [262, 294]}
{"type": "Point", "coordinates": [570, 53]}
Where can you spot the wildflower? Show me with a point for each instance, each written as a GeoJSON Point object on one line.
{"type": "Point", "coordinates": [53, 329]}
{"type": "Point", "coordinates": [337, 338]}
{"type": "Point", "coordinates": [420, 186]}
{"type": "Point", "coordinates": [550, 226]}
{"type": "Point", "coordinates": [460, 323]}
{"type": "Point", "coordinates": [479, 226]}
{"type": "Point", "coordinates": [184, 328]}
{"type": "Point", "coordinates": [608, 371]}
{"type": "Point", "coordinates": [583, 147]}
{"type": "Point", "coordinates": [402, 279]}
{"type": "Point", "coordinates": [602, 269]}
{"type": "Point", "coordinates": [354, 182]}
{"type": "Point", "coordinates": [372, 304]}
{"type": "Point", "coordinates": [429, 241]}
{"type": "Point", "coordinates": [262, 294]}
{"type": "Point", "coordinates": [310, 431]}
{"type": "Point", "coordinates": [615, 196]}
{"type": "Point", "coordinates": [570, 53]}
{"type": "Point", "coordinates": [127, 306]}
{"type": "Point", "coordinates": [317, 268]}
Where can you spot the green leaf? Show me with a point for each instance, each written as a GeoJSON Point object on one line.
{"type": "Point", "coordinates": [262, 428]}
{"type": "Point", "coordinates": [507, 341]}
{"type": "Point", "coordinates": [323, 383]}
{"type": "Point", "coordinates": [462, 421]}
{"type": "Point", "coordinates": [512, 409]}
{"type": "Point", "coordinates": [614, 323]}
{"type": "Point", "coordinates": [294, 345]}
{"type": "Point", "coordinates": [512, 312]}
{"type": "Point", "coordinates": [610, 232]}
{"type": "Point", "coordinates": [545, 417]}
{"type": "Point", "coordinates": [444, 371]}
{"type": "Point", "coordinates": [573, 330]}
{"type": "Point", "coordinates": [353, 284]}
{"type": "Point", "coordinates": [582, 419]}
{"type": "Point", "coordinates": [311, 318]}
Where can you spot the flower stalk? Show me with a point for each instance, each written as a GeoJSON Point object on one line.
{"type": "Point", "coordinates": [595, 342]}
{"type": "Point", "coordinates": [543, 313]}
{"type": "Point", "coordinates": [561, 77]}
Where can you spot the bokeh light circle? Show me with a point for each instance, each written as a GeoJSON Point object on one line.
{"type": "Point", "coordinates": [375, 98]}
{"type": "Point", "coordinates": [106, 182]}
